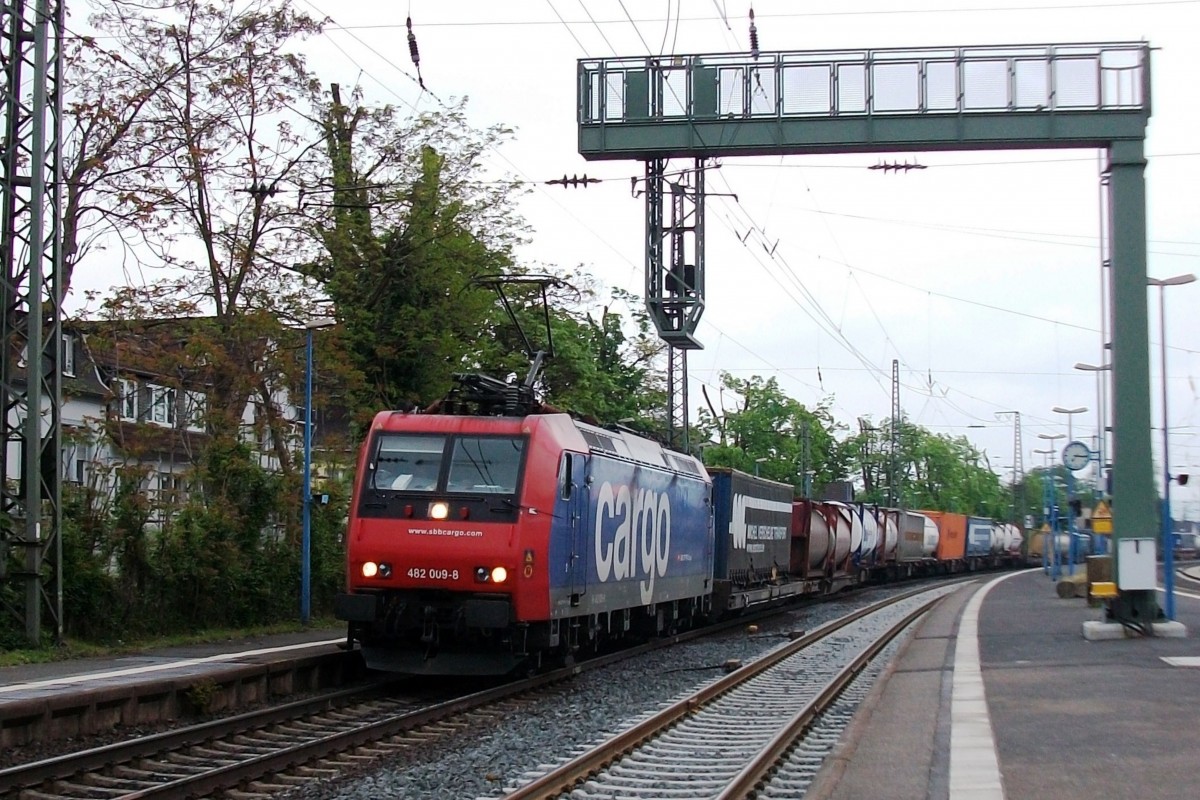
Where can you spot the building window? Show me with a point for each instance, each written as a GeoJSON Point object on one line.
{"type": "Point", "coordinates": [162, 405]}
{"type": "Point", "coordinates": [68, 355]}
{"type": "Point", "coordinates": [81, 471]}
{"type": "Point", "coordinates": [127, 399]}
{"type": "Point", "coordinates": [172, 490]}
{"type": "Point", "coordinates": [195, 408]}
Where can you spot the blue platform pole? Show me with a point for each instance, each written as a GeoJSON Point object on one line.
{"type": "Point", "coordinates": [1047, 537]}
{"type": "Point", "coordinates": [1056, 561]}
{"type": "Point", "coordinates": [1049, 544]}
{"type": "Point", "coordinates": [1071, 552]}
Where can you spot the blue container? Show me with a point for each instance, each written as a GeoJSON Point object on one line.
{"type": "Point", "coordinates": [752, 520]}
{"type": "Point", "coordinates": [979, 537]}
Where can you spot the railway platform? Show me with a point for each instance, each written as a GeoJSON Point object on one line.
{"type": "Point", "coordinates": [998, 696]}
{"type": "Point", "coordinates": [82, 696]}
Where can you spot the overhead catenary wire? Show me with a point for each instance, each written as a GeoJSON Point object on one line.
{"type": "Point", "coordinates": [723, 17]}
{"type": "Point", "coordinates": [629, 17]}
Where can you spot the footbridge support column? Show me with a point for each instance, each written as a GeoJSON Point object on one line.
{"type": "Point", "coordinates": [1134, 499]}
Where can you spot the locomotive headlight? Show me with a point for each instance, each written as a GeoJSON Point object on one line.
{"type": "Point", "coordinates": [439, 510]}
{"type": "Point", "coordinates": [371, 569]}
{"type": "Point", "coordinates": [493, 575]}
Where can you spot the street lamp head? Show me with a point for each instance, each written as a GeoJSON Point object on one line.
{"type": "Point", "coordinates": [320, 322]}
{"type": "Point", "coordinates": [1093, 367]}
{"type": "Point", "coordinates": [1175, 280]}
{"type": "Point", "coordinates": [1062, 410]}
{"type": "Point", "coordinates": [1052, 436]}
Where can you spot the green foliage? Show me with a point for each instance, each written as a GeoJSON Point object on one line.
{"type": "Point", "coordinates": [127, 573]}
{"type": "Point", "coordinates": [604, 365]}
{"type": "Point", "coordinates": [200, 695]}
{"type": "Point", "coordinates": [328, 548]}
{"type": "Point", "coordinates": [771, 426]}
{"type": "Point", "coordinates": [931, 471]}
{"type": "Point", "coordinates": [214, 558]}
{"type": "Point", "coordinates": [1031, 492]}
{"type": "Point", "coordinates": [404, 281]}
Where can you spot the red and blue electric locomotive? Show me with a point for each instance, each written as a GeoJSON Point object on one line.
{"type": "Point", "coordinates": [483, 544]}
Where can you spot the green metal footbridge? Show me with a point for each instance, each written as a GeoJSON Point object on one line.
{"type": "Point", "coordinates": [699, 107]}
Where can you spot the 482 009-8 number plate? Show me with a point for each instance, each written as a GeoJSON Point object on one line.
{"type": "Point", "coordinates": [425, 573]}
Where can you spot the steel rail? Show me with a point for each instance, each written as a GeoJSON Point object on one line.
{"type": "Point", "coordinates": [755, 772]}
{"type": "Point", "coordinates": [58, 768]}
{"type": "Point", "coordinates": [64, 766]}
{"type": "Point", "coordinates": [565, 777]}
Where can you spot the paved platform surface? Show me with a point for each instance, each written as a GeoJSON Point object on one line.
{"type": "Point", "coordinates": [1068, 719]}
{"type": "Point", "coordinates": [182, 659]}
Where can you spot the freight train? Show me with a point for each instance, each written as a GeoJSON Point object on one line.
{"type": "Point", "coordinates": [487, 544]}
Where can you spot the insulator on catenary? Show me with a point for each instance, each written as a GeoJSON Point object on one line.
{"type": "Point", "coordinates": [753, 36]}
{"type": "Point", "coordinates": [414, 53]}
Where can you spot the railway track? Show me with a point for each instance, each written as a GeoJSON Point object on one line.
{"type": "Point", "coordinates": [264, 752]}
{"type": "Point", "coordinates": [741, 735]}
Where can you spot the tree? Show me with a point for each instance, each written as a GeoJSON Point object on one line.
{"type": "Point", "coordinates": [408, 231]}
{"type": "Point", "coordinates": [193, 173]}
{"type": "Point", "coordinates": [932, 471]}
{"type": "Point", "coordinates": [601, 371]}
{"type": "Point", "coordinates": [183, 140]}
{"type": "Point", "coordinates": [773, 427]}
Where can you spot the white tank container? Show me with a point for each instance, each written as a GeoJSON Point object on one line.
{"type": "Point", "coordinates": [999, 540]}
{"type": "Point", "coordinates": [820, 540]}
{"type": "Point", "coordinates": [870, 533]}
{"type": "Point", "coordinates": [856, 530]}
{"type": "Point", "coordinates": [891, 533]}
{"type": "Point", "coordinates": [1014, 538]}
{"type": "Point", "coordinates": [842, 531]}
{"type": "Point", "coordinates": [931, 537]}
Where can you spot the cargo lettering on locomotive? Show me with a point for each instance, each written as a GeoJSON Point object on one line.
{"type": "Point", "coordinates": [749, 535]}
{"type": "Point", "coordinates": [639, 543]}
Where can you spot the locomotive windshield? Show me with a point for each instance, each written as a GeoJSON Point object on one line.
{"type": "Point", "coordinates": [476, 464]}
{"type": "Point", "coordinates": [408, 463]}
{"type": "Point", "coordinates": [486, 464]}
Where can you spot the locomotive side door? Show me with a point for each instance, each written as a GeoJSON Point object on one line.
{"type": "Point", "coordinates": [576, 486]}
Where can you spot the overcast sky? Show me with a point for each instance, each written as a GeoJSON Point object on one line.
{"type": "Point", "coordinates": [980, 273]}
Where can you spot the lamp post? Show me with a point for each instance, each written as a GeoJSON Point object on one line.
{"type": "Point", "coordinates": [1101, 422]}
{"type": "Point", "coordinates": [306, 491]}
{"type": "Point", "coordinates": [1051, 437]}
{"type": "Point", "coordinates": [1070, 412]}
{"type": "Point", "coordinates": [1167, 527]}
{"type": "Point", "coordinates": [1048, 551]}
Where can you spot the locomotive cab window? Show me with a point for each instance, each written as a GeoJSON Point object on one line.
{"type": "Point", "coordinates": [407, 463]}
{"type": "Point", "coordinates": [485, 464]}
{"type": "Point", "coordinates": [565, 477]}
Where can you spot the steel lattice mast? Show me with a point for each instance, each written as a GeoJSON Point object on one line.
{"type": "Point", "coordinates": [895, 491]}
{"type": "Point", "coordinates": [30, 314]}
{"type": "Point", "coordinates": [1018, 468]}
{"type": "Point", "coordinates": [675, 278]}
